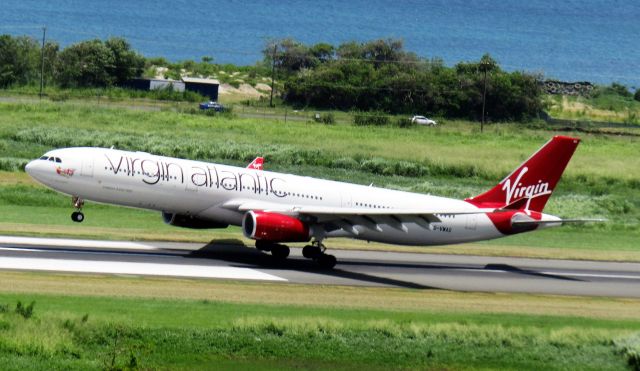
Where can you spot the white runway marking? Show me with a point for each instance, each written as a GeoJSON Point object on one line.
{"type": "Point", "coordinates": [147, 269]}
{"type": "Point", "coordinates": [79, 251]}
{"type": "Point", "coordinates": [74, 243]}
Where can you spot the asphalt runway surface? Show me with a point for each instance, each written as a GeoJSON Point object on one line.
{"type": "Point", "coordinates": [232, 260]}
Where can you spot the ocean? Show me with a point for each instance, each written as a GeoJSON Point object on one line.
{"type": "Point", "coordinates": [570, 40]}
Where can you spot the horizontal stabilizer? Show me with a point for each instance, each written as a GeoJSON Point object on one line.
{"type": "Point", "coordinates": [561, 221]}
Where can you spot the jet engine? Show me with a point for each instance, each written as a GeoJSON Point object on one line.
{"type": "Point", "coordinates": [189, 221]}
{"type": "Point", "coordinates": [274, 227]}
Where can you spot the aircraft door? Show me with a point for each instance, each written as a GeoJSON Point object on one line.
{"type": "Point", "coordinates": [472, 221]}
{"type": "Point", "coordinates": [191, 178]}
{"type": "Point", "coordinates": [346, 200]}
{"type": "Point", "coordinates": [87, 167]}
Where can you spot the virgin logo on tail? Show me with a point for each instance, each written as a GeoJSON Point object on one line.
{"type": "Point", "coordinates": [517, 190]}
{"type": "Point", "coordinates": [256, 164]}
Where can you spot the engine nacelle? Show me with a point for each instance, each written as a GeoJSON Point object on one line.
{"type": "Point", "coordinates": [189, 221]}
{"type": "Point", "coordinates": [274, 227]}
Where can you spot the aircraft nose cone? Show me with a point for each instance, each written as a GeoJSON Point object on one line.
{"type": "Point", "coordinates": [30, 167]}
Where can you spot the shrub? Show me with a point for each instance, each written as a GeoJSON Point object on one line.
{"type": "Point", "coordinates": [60, 96]}
{"type": "Point", "coordinates": [636, 96]}
{"type": "Point", "coordinates": [373, 118]}
{"type": "Point", "coordinates": [12, 164]}
{"type": "Point", "coordinates": [27, 311]}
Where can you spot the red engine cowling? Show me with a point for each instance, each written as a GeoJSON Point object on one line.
{"type": "Point", "coordinates": [260, 225]}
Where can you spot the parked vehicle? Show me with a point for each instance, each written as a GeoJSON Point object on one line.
{"type": "Point", "coordinates": [421, 120]}
{"type": "Point", "coordinates": [212, 106]}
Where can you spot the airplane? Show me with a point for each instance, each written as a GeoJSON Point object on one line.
{"type": "Point", "coordinates": [274, 208]}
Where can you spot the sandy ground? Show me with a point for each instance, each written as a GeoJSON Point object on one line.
{"type": "Point", "coordinates": [245, 90]}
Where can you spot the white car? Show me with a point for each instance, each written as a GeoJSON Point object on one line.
{"type": "Point", "coordinates": [421, 120]}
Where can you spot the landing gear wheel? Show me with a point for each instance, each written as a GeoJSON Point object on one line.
{"type": "Point", "coordinates": [77, 216]}
{"type": "Point", "coordinates": [280, 251]}
{"type": "Point", "coordinates": [326, 261]}
{"type": "Point", "coordinates": [264, 246]}
{"type": "Point", "coordinates": [311, 251]}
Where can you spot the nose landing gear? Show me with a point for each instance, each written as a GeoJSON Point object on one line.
{"type": "Point", "coordinates": [77, 216]}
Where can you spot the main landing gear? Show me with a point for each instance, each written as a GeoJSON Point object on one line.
{"type": "Point", "coordinates": [77, 216]}
{"type": "Point", "coordinates": [316, 251]}
{"type": "Point", "coordinates": [278, 251]}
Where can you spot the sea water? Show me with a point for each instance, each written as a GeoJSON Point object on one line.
{"type": "Point", "coordinates": [592, 40]}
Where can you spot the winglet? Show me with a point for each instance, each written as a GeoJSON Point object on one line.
{"type": "Point", "coordinates": [256, 164]}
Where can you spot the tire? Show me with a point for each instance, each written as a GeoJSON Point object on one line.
{"type": "Point", "coordinates": [327, 261]}
{"type": "Point", "coordinates": [264, 246]}
{"type": "Point", "coordinates": [311, 251]}
{"type": "Point", "coordinates": [280, 251]}
{"type": "Point", "coordinates": [77, 216]}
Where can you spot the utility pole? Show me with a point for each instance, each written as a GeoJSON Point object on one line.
{"type": "Point", "coordinates": [44, 33]}
{"type": "Point", "coordinates": [484, 95]}
{"type": "Point", "coordinates": [273, 72]}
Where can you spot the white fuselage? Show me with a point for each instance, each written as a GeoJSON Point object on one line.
{"type": "Point", "coordinates": [206, 190]}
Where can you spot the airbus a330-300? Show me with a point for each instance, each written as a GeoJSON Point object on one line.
{"type": "Point", "coordinates": [275, 208]}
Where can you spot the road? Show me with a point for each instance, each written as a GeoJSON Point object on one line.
{"type": "Point", "coordinates": [155, 106]}
{"type": "Point", "coordinates": [231, 260]}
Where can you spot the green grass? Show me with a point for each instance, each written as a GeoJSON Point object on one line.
{"type": "Point", "coordinates": [58, 94]}
{"type": "Point", "coordinates": [80, 332]}
{"type": "Point", "coordinates": [605, 106]}
{"type": "Point", "coordinates": [494, 152]}
{"type": "Point", "coordinates": [452, 160]}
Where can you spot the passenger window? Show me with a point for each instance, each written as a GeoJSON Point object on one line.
{"type": "Point", "coordinates": [52, 159]}
{"type": "Point", "coordinates": [58, 160]}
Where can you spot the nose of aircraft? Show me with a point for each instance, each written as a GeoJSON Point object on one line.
{"type": "Point", "coordinates": [35, 170]}
{"type": "Point", "coordinates": [30, 167]}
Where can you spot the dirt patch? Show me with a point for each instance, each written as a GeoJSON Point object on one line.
{"type": "Point", "coordinates": [245, 90]}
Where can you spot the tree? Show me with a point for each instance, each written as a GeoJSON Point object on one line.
{"type": "Point", "coordinates": [290, 56]}
{"type": "Point", "coordinates": [323, 52]}
{"type": "Point", "coordinates": [86, 64]}
{"type": "Point", "coordinates": [127, 64]}
{"type": "Point", "coordinates": [19, 60]}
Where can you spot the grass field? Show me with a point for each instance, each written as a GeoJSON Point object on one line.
{"type": "Point", "coordinates": [454, 160]}
{"type": "Point", "coordinates": [605, 107]}
{"type": "Point", "coordinates": [107, 322]}
{"type": "Point", "coordinates": [96, 322]}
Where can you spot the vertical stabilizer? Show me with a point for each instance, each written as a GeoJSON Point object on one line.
{"type": "Point", "coordinates": [531, 184]}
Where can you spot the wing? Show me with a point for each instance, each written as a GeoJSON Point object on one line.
{"type": "Point", "coordinates": [346, 218]}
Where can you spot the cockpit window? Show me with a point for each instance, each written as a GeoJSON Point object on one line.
{"type": "Point", "coordinates": [52, 159]}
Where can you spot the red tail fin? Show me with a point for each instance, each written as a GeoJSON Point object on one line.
{"type": "Point", "coordinates": [530, 185]}
{"type": "Point", "coordinates": [256, 163]}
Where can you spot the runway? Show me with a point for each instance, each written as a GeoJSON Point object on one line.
{"type": "Point", "coordinates": [232, 260]}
